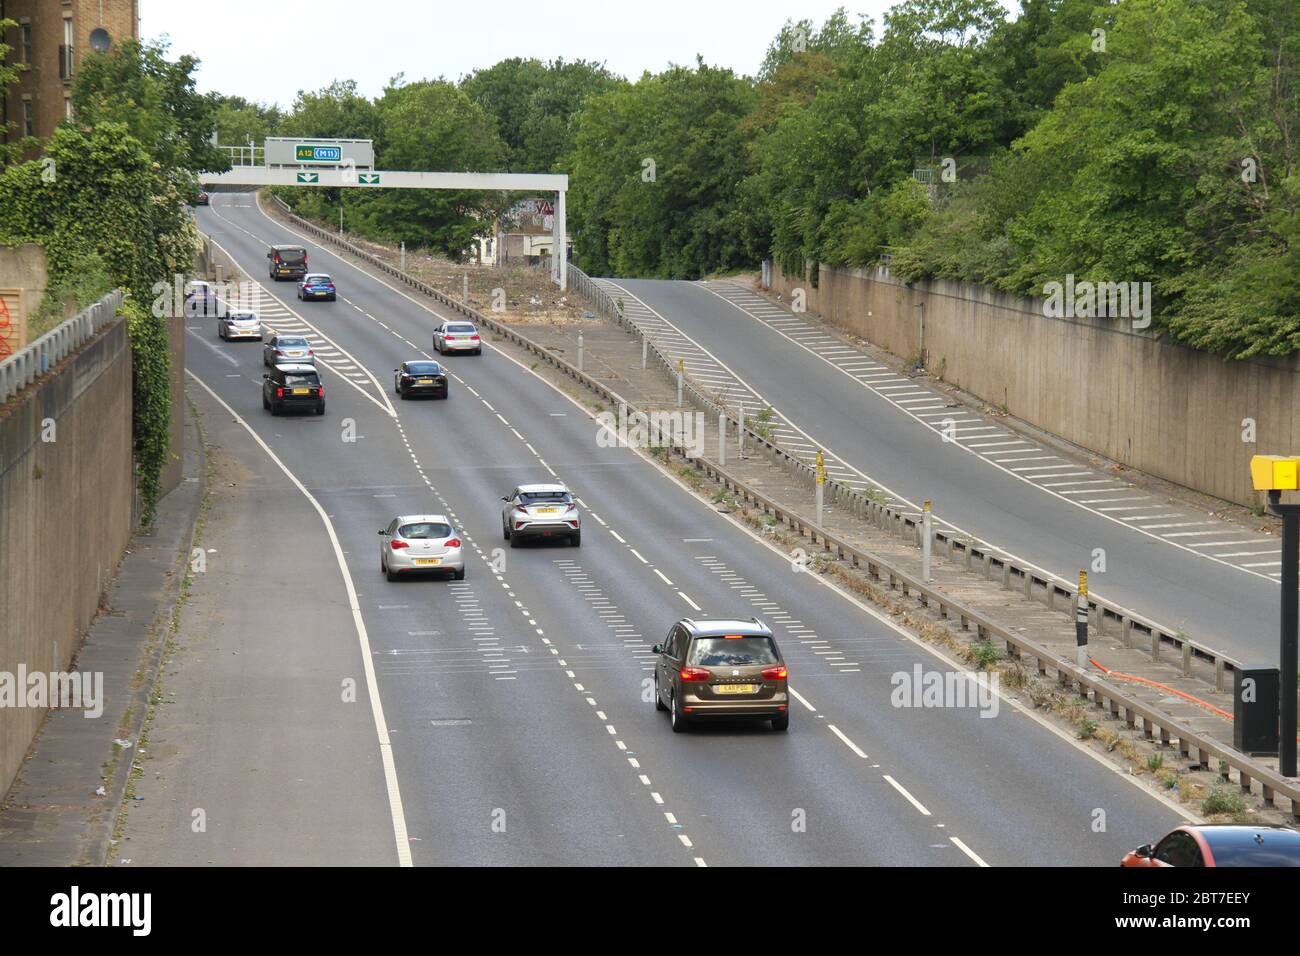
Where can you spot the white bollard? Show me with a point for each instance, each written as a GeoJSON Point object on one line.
{"type": "Point", "coordinates": [927, 540]}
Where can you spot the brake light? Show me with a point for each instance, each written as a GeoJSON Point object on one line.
{"type": "Point", "coordinates": [397, 545]}
{"type": "Point", "coordinates": [453, 543]}
{"type": "Point", "coordinates": [473, 338]}
{"type": "Point", "coordinates": [321, 391]}
{"type": "Point", "coordinates": [775, 673]}
{"type": "Point", "coordinates": [277, 258]}
{"type": "Point", "coordinates": [279, 393]}
{"type": "Point", "coordinates": [694, 674]}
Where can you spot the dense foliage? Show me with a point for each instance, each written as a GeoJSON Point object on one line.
{"type": "Point", "coordinates": [106, 198]}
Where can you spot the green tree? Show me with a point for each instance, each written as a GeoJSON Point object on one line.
{"type": "Point", "coordinates": [536, 105]}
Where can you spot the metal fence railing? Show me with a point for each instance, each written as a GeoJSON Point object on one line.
{"type": "Point", "coordinates": [34, 360]}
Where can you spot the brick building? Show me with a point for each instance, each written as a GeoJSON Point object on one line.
{"type": "Point", "coordinates": [50, 41]}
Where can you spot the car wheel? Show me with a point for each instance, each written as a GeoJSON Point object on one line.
{"type": "Point", "coordinates": [505, 532]}
{"type": "Point", "coordinates": [478, 351]}
{"type": "Point", "coordinates": [383, 566]}
{"type": "Point", "coordinates": [781, 723]}
{"type": "Point", "coordinates": [390, 573]}
{"type": "Point", "coordinates": [275, 409]}
{"type": "Point", "coordinates": [458, 575]}
{"type": "Point", "coordinates": [401, 394]}
{"type": "Point", "coordinates": [659, 701]}
{"type": "Point", "coordinates": [676, 717]}
{"type": "Point", "coordinates": [320, 409]}
{"type": "Point", "coordinates": [575, 539]}
{"type": "Point", "coordinates": [514, 540]}
{"type": "Point", "coordinates": [265, 403]}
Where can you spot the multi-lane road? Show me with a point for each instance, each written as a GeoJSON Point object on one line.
{"type": "Point", "coordinates": [1178, 566]}
{"type": "Point", "coordinates": [509, 714]}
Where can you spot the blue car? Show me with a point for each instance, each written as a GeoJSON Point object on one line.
{"type": "Point", "coordinates": [316, 285]}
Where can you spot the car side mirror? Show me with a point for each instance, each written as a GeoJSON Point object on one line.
{"type": "Point", "coordinates": [657, 649]}
{"type": "Point", "coordinates": [268, 255]}
{"type": "Point", "coordinates": [1143, 851]}
{"type": "Point", "coordinates": [383, 531]}
{"type": "Point", "coordinates": [266, 375]}
{"type": "Point", "coordinates": [506, 498]}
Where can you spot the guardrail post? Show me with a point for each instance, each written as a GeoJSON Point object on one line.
{"type": "Point", "coordinates": [740, 432]}
{"type": "Point", "coordinates": [645, 348]}
{"type": "Point", "coordinates": [927, 536]}
{"type": "Point", "coordinates": [681, 370]}
{"type": "Point", "coordinates": [722, 439]}
{"type": "Point", "coordinates": [1155, 645]}
{"type": "Point", "coordinates": [579, 351]}
{"type": "Point", "coordinates": [1187, 659]}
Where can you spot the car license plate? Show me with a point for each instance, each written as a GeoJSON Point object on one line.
{"type": "Point", "coordinates": [547, 511]}
{"type": "Point", "coordinates": [302, 391]}
{"type": "Point", "coordinates": [735, 688]}
{"type": "Point", "coordinates": [428, 560]}
{"type": "Point", "coordinates": [424, 381]}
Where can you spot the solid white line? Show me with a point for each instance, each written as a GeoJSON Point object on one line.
{"type": "Point", "coordinates": [688, 600]}
{"type": "Point", "coordinates": [910, 799]}
{"type": "Point", "coordinates": [662, 577]}
{"type": "Point", "coordinates": [363, 639]}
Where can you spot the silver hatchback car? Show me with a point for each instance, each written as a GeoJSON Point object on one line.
{"type": "Point", "coordinates": [421, 543]}
{"type": "Point", "coordinates": [239, 325]}
{"type": "Point", "coordinates": [541, 511]}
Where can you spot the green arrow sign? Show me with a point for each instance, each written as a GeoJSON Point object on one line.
{"type": "Point", "coordinates": [369, 179]}
{"type": "Point", "coordinates": [309, 177]}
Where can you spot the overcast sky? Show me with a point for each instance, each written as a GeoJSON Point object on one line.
{"type": "Point", "coordinates": [266, 50]}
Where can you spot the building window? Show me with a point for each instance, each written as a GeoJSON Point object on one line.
{"type": "Point", "coordinates": [67, 107]}
{"type": "Point", "coordinates": [25, 43]}
{"type": "Point", "coordinates": [66, 61]}
{"type": "Point", "coordinates": [29, 119]}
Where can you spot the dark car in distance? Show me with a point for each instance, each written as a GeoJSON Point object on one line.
{"type": "Point", "coordinates": [291, 387]}
{"type": "Point", "coordinates": [288, 261]}
{"type": "Point", "coordinates": [420, 378]}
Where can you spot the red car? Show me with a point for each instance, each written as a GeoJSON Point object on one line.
{"type": "Point", "coordinates": [1220, 844]}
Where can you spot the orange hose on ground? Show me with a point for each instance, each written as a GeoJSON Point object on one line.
{"type": "Point", "coordinates": [1165, 687]}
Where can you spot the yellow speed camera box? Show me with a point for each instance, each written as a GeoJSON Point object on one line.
{"type": "Point", "coordinates": [1275, 472]}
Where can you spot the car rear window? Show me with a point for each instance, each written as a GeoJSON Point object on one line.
{"type": "Point", "coordinates": [1253, 847]}
{"type": "Point", "coordinates": [242, 317]}
{"type": "Point", "coordinates": [425, 529]}
{"type": "Point", "coordinates": [424, 368]}
{"type": "Point", "coordinates": [304, 378]}
{"type": "Point", "coordinates": [461, 328]}
{"type": "Point", "coordinates": [539, 497]}
{"type": "Point", "coordinates": [286, 342]}
{"type": "Point", "coordinates": [732, 651]}
{"type": "Point", "coordinates": [292, 255]}
{"type": "Point", "coordinates": [321, 279]}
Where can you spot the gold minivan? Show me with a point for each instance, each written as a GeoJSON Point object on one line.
{"type": "Point", "coordinates": [721, 668]}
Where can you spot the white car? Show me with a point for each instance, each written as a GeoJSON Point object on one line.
{"type": "Point", "coordinates": [457, 336]}
{"type": "Point", "coordinates": [239, 325]}
{"type": "Point", "coordinates": [541, 511]}
{"type": "Point", "coordinates": [420, 543]}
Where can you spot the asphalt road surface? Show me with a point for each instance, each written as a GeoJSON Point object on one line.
{"type": "Point", "coordinates": [517, 702]}
{"type": "Point", "coordinates": [1228, 608]}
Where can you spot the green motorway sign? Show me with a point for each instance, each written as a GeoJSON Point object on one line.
{"type": "Point", "coordinates": [309, 177]}
{"type": "Point", "coordinates": [368, 179]}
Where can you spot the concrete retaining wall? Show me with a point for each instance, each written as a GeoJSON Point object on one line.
{"type": "Point", "coordinates": [65, 517]}
{"type": "Point", "coordinates": [1170, 411]}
